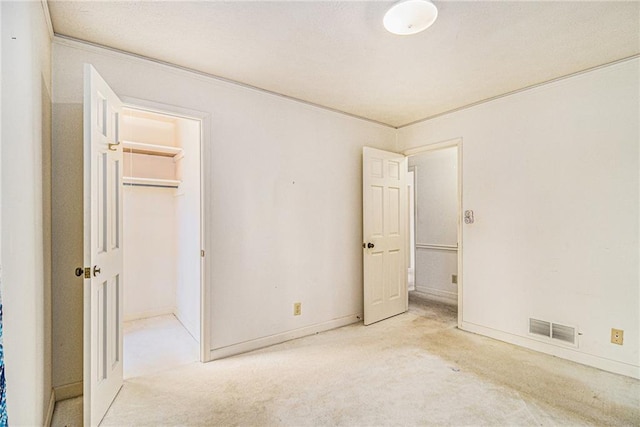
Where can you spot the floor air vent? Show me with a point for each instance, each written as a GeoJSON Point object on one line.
{"type": "Point", "coordinates": [540, 327]}
{"type": "Point", "coordinates": [563, 333]}
{"type": "Point", "coordinates": [552, 330]}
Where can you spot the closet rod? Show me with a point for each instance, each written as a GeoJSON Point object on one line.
{"type": "Point", "coordinates": [150, 182]}
{"type": "Point", "coordinates": [132, 184]}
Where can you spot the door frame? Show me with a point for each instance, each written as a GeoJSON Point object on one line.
{"type": "Point", "coordinates": [450, 143]}
{"type": "Point", "coordinates": [206, 162]}
{"type": "Point", "coordinates": [411, 232]}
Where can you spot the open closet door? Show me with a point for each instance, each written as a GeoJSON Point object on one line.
{"type": "Point", "coordinates": [385, 204]}
{"type": "Point", "coordinates": [102, 247]}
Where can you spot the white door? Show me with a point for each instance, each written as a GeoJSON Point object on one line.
{"type": "Point", "coordinates": [384, 193]}
{"type": "Point", "coordinates": [102, 247]}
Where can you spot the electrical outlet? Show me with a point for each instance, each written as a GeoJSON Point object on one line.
{"type": "Point", "coordinates": [297, 308]}
{"type": "Point", "coordinates": [454, 278]}
{"type": "Point", "coordinates": [617, 336]}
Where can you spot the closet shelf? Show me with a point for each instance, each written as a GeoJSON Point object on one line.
{"type": "Point", "coordinates": [152, 149]}
{"type": "Point", "coordinates": [150, 182]}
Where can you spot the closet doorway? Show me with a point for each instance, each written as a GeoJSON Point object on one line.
{"type": "Point", "coordinates": [161, 240]}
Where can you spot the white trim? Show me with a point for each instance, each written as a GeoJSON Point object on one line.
{"type": "Point", "coordinates": [95, 47]}
{"type": "Point", "coordinates": [411, 284]}
{"type": "Point", "coordinates": [68, 391]}
{"type": "Point", "coordinates": [246, 346]}
{"type": "Point", "coordinates": [163, 109]}
{"type": "Point", "coordinates": [47, 18]}
{"type": "Point", "coordinates": [513, 92]}
{"type": "Point", "coordinates": [432, 147]}
{"type": "Point", "coordinates": [435, 246]}
{"type": "Point", "coordinates": [147, 314]}
{"type": "Point", "coordinates": [206, 204]}
{"type": "Point", "coordinates": [562, 351]}
{"type": "Point", "coordinates": [454, 142]}
{"type": "Point", "coordinates": [180, 318]}
{"type": "Point", "coordinates": [412, 171]}
{"type": "Point", "coordinates": [206, 236]}
{"type": "Point", "coordinates": [50, 408]}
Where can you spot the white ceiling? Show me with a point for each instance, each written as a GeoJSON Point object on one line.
{"type": "Point", "coordinates": [338, 55]}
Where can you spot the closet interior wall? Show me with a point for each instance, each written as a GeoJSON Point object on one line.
{"type": "Point", "coordinates": [161, 217]}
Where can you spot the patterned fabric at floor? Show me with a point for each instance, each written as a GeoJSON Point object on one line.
{"type": "Point", "coordinates": [3, 391]}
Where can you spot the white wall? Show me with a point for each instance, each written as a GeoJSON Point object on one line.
{"type": "Point", "coordinates": [67, 218]}
{"type": "Point", "coordinates": [436, 223]}
{"type": "Point", "coordinates": [144, 127]}
{"type": "Point", "coordinates": [149, 251]}
{"type": "Point", "coordinates": [283, 197]}
{"type": "Point", "coordinates": [187, 226]}
{"type": "Point", "coordinates": [149, 221]}
{"type": "Point", "coordinates": [552, 174]}
{"type": "Point", "coordinates": [26, 148]}
{"type": "Point", "coordinates": [162, 225]}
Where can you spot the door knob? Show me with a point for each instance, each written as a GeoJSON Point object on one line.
{"type": "Point", "coordinates": [370, 245]}
{"type": "Point", "coordinates": [96, 270]}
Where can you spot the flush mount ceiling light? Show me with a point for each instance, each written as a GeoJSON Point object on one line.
{"type": "Point", "coordinates": [410, 17]}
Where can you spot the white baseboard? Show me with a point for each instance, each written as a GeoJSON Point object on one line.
{"type": "Point", "coordinates": [438, 295]}
{"type": "Point", "coordinates": [151, 313]}
{"type": "Point", "coordinates": [68, 391]}
{"type": "Point", "coordinates": [246, 346]}
{"type": "Point", "coordinates": [50, 408]}
{"type": "Point", "coordinates": [190, 328]}
{"type": "Point", "coordinates": [569, 353]}
{"type": "Point", "coordinates": [411, 282]}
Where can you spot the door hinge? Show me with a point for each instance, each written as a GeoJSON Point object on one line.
{"type": "Point", "coordinates": [202, 253]}
{"type": "Point", "coordinates": [87, 272]}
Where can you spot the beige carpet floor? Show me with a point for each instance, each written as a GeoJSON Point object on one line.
{"type": "Point", "coordinates": [413, 369]}
{"type": "Point", "coordinates": [156, 344]}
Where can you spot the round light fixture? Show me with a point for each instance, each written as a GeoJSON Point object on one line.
{"type": "Point", "coordinates": [410, 17]}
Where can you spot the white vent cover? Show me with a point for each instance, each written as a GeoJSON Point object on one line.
{"type": "Point", "coordinates": [552, 330]}
{"type": "Point", "coordinates": [540, 327]}
{"type": "Point", "coordinates": [563, 333]}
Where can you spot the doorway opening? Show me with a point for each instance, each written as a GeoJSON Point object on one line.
{"type": "Point", "coordinates": [161, 240]}
{"type": "Point", "coordinates": [435, 229]}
